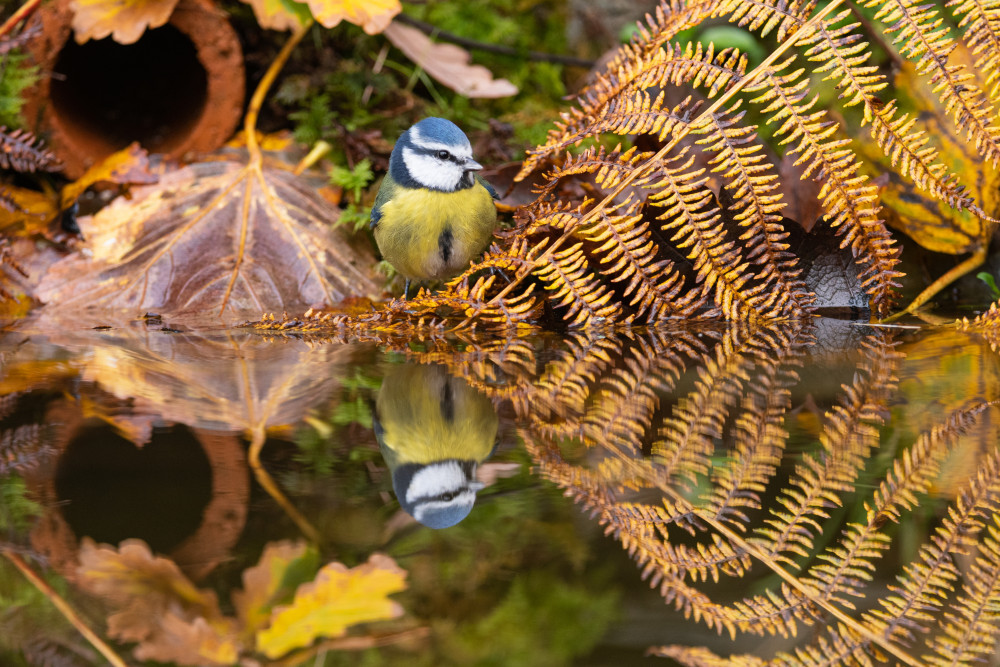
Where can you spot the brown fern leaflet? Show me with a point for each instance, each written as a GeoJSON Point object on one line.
{"type": "Point", "coordinates": [681, 214]}
{"type": "Point", "coordinates": [766, 506]}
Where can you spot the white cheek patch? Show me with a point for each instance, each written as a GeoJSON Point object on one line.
{"type": "Point", "coordinates": [430, 172]}
{"type": "Point", "coordinates": [464, 499]}
{"type": "Point", "coordinates": [436, 479]}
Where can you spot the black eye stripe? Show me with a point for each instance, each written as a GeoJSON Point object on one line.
{"type": "Point", "coordinates": [433, 152]}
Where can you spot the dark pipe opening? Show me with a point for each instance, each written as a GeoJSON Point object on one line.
{"type": "Point", "coordinates": [113, 490]}
{"type": "Point", "coordinates": [108, 95]}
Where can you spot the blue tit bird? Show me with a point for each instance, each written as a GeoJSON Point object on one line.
{"type": "Point", "coordinates": [434, 430]}
{"type": "Point", "coordinates": [433, 213]}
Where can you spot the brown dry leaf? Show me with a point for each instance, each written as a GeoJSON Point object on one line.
{"type": "Point", "coordinates": [216, 238]}
{"type": "Point", "coordinates": [124, 20]}
{"type": "Point", "coordinates": [133, 572]}
{"type": "Point", "coordinates": [129, 166]}
{"type": "Point", "coordinates": [448, 64]}
{"type": "Point", "coordinates": [192, 642]}
{"type": "Point", "coordinates": [372, 15]}
{"type": "Point", "coordinates": [802, 201]}
{"type": "Point", "coordinates": [336, 600]}
{"type": "Point", "coordinates": [236, 382]}
{"type": "Point", "coordinates": [159, 607]}
{"type": "Point", "coordinates": [929, 221]}
{"type": "Point", "coordinates": [269, 580]}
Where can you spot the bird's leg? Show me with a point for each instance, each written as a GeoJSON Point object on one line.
{"type": "Point", "coordinates": [406, 290]}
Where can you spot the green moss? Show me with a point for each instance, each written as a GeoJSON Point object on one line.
{"type": "Point", "coordinates": [15, 76]}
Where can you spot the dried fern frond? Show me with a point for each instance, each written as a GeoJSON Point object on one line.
{"type": "Point", "coordinates": [20, 150]}
{"type": "Point", "coordinates": [977, 20]}
{"type": "Point", "coordinates": [7, 260]}
{"type": "Point", "coordinates": [743, 388]}
{"type": "Point", "coordinates": [917, 29]}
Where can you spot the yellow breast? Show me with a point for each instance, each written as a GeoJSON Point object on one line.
{"type": "Point", "coordinates": [427, 234]}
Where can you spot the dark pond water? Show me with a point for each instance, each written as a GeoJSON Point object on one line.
{"type": "Point", "coordinates": [540, 500]}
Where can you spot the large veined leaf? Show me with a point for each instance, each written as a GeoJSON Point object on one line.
{"type": "Point", "coordinates": [214, 238]}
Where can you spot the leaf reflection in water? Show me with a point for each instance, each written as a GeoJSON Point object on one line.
{"type": "Point", "coordinates": [814, 475]}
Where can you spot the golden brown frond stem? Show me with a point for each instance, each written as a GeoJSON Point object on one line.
{"type": "Point", "coordinates": [267, 482]}
{"type": "Point", "coordinates": [724, 98]}
{"type": "Point", "coordinates": [257, 100]}
{"type": "Point", "coordinates": [807, 591]}
{"type": "Point", "coordinates": [971, 264]}
{"type": "Point", "coordinates": [22, 13]}
{"type": "Point", "coordinates": [65, 609]}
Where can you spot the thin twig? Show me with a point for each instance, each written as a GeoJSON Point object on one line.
{"type": "Point", "coordinates": [446, 36]}
{"type": "Point", "coordinates": [268, 484]}
{"type": "Point", "coordinates": [23, 12]}
{"type": "Point", "coordinates": [257, 101]}
{"type": "Point", "coordinates": [65, 609]}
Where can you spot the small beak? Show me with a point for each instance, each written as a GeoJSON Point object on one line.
{"type": "Point", "coordinates": [472, 165]}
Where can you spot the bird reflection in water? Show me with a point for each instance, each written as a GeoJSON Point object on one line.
{"type": "Point", "coordinates": [434, 430]}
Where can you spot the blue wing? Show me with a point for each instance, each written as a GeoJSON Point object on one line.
{"type": "Point", "coordinates": [489, 188]}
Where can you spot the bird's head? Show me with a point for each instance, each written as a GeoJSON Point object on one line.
{"type": "Point", "coordinates": [434, 154]}
{"type": "Point", "coordinates": [438, 494]}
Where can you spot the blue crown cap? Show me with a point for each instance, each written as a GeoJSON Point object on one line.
{"type": "Point", "coordinates": [442, 130]}
{"type": "Point", "coordinates": [445, 517]}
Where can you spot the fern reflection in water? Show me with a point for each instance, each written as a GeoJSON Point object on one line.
{"type": "Point", "coordinates": [708, 487]}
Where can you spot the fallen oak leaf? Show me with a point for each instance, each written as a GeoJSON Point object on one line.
{"type": "Point", "coordinates": [234, 238]}
{"type": "Point", "coordinates": [338, 598]}
{"type": "Point", "coordinates": [282, 567]}
{"type": "Point", "coordinates": [448, 64]}
{"type": "Point", "coordinates": [372, 15]}
{"type": "Point", "coordinates": [192, 642]}
{"type": "Point", "coordinates": [129, 166]}
{"type": "Point", "coordinates": [158, 606]}
{"type": "Point", "coordinates": [123, 20]}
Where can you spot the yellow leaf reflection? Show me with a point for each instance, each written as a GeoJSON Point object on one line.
{"type": "Point", "coordinates": [338, 598]}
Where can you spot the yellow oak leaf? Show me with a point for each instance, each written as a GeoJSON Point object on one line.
{"type": "Point", "coordinates": [281, 567]}
{"type": "Point", "coordinates": [337, 599]}
{"type": "Point", "coordinates": [124, 20]}
{"type": "Point", "coordinates": [373, 16]}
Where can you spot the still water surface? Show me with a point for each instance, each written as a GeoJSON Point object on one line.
{"type": "Point", "coordinates": [176, 489]}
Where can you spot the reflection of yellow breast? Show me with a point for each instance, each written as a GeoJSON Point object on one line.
{"type": "Point", "coordinates": [429, 416]}
{"type": "Point", "coordinates": [427, 234]}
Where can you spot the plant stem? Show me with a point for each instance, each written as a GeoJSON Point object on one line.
{"type": "Point", "coordinates": [932, 290]}
{"type": "Point", "coordinates": [65, 609]}
{"type": "Point", "coordinates": [22, 13]}
{"type": "Point", "coordinates": [257, 100]}
{"type": "Point", "coordinates": [267, 482]}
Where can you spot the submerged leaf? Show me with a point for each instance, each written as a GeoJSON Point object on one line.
{"type": "Point", "coordinates": [337, 599]}
{"type": "Point", "coordinates": [219, 238]}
